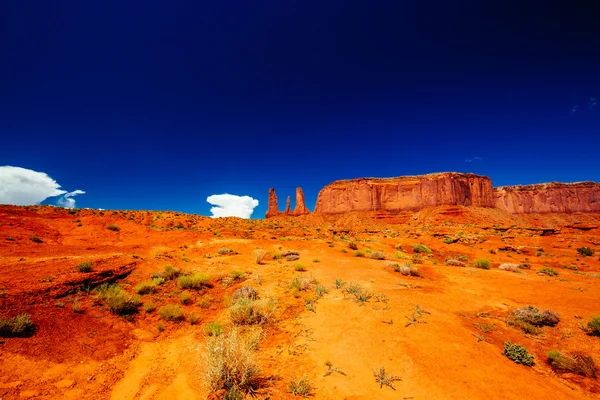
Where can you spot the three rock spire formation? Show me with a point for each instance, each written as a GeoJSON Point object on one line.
{"type": "Point", "coordinates": [300, 208]}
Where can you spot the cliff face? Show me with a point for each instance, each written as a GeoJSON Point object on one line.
{"type": "Point", "coordinates": [300, 208]}
{"type": "Point", "coordinates": [405, 193]}
{"type": "Point", "coordinates": [552, 197]}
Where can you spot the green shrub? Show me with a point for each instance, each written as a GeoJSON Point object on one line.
{"type": "Point", "coordinates": [359, 253]}
{"type": "Point", "coordinates": [205, 301]}
{"type": "Point", "coordinates": [213, 329]}
{"type": "Point", "coordinates": [548, 271]}
{"type": "Point", "coordinates": [85, 266]}
{"type": "Point", "coordinates": [377, 255]}
{"type": "Point", "coordinates": [237, 275]}
{"type": "Point", "coordinates": [299, 267]}
{"type": "Point", "coordinates": [171, 312]}
{"type": "Point", "coordinates": [36, 239]}
{"type": "Point", "coordinates": [578, 363]}
{"type": "Point", "coordinates": [593, 325]}
{"type": "Point", "coordinates": [344, 250]}
{"type": "Point", "coordinates": [482, 263]}
{"type": "Point", "coordinates": [113, 227]}
{"type": "Point", "coordinates": [585, 251]}
{"type": "Point", "coordinates": [195, 281]}
{"type": "Point", "coordinates": [118, 300]}
{"type": "Point", "coordinates": [19, 326]}
{"type": "Point", "coordinates": [246, 311]}
{"type": "Point", "coordinates": [421, 248]}
{"type": "Point", "coordinates": [193, 318]}
{"type": "Point", "coordinates": [168, 273]}
{"type": "Point", "coordinates": [339, 283]}
{"type": "Point", "coordinates": [518, 354]}
{"type": "Point", "coordinates": [448, 240]}
{"type": "Point", "coordinates": [186, 298]}
{"type": "Point", "coordinates": [146, 287]}
{"type": "Point", "coordinates": [301, 387]}
{"type": "Point", "coordinates": [149, 307]}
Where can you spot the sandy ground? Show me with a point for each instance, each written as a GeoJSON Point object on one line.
{"type": "Point", "coordinates": [454, 350]}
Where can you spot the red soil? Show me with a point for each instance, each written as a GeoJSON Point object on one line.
{"type": "Point", "coordinates": [450, 353]}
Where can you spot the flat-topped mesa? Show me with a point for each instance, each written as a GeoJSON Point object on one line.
{"type": "Point", "coordinates": [300, 208]}
{"type": "Point", "coordinates": [554, 197]}
{"type": "Point", "coordinates": [405, 193]}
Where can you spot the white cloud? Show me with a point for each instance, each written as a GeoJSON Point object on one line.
{"type": "Point", "coordinates": [230, 205]}
{"type": "Point", "coordinates": [24, 187]}
{"type": "Point", "coordinates": [67, 200]}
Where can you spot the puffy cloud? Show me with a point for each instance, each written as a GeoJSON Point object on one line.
{"type": "Point", "coordinates": [24, 187]}
{"type": "Point", "coordinates": [230, 205]}
{"type": "Point", "coordinates": [67, 200]}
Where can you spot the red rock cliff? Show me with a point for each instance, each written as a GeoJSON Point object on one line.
{"type": "Point", "coordinates": [405, 193]}
{"type": "Point", "coordinates": [552, 197]}
{"type": "Point", "coordinates": [273, 209]}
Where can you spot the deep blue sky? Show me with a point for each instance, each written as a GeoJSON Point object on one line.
{"type": "Point", "coordinates": [156, 104]}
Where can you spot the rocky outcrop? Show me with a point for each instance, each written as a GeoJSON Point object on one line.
{"type": "Point", "coordinates": [405, 193]}
{"type": "Point", "coordinates": [300, 208]}
{"type": "Point", "coordinates": [288, 208]}
{"type": "Point", "coordinates": [552, 197]}
{"type": "Point", "coordinates": [273, 207]}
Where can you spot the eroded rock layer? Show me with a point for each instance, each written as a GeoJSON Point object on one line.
{"type": "Point", "coordinates": [405, 193]}
{"type": "Point", "coordinates": [552, 197]}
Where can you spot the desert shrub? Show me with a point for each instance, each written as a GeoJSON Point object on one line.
{"type": "Point", "coordinates": [482, 263]}
{"type": "Point", "coordinates": [585, 251]}
{"type": "Point", "coordinates": [339, 283]}
{"type": "Point", "coordinates": [316, 260]}
{"type": "Point", "coordinates": [448, 240]}
{"type": "Point", "coordinates": [292, 257]}
{"type": "Point", "coordinates": [509, 267]}
{"type": "Point", "coordinates": [290, 253]}
{"type": "Point", "coordinates": [301, 387]}
{"type": "Point", "coordinates": [344, 250]}
{"type": "Point", "coordinates": [10, 238]}
{"type": "Point", "coordinates": [377, 255]}
{"type": "Point", "coordinates": [195, 281]}
{"type": "Point", "coordinates": [361, 295]}
{"type": "Point", "coordinates": [186, 298]}
{"type": "Point", "coordinates": [259, 255]}
{"type": "Point", "coordinates": [149, 307]}
{"type": "Point", "coordinates": [533, 316]}
{"type": "Point", "coordinates": [359, 253]}
{"type": "Point", "coordinates": [578, 363]}
{"type": "Point", "coordinates": [36, 239]}
{"type": "Point", "coordinates": [593, 325]}
{"type": "Point", "coordinates": [246, 311]}
{"type": "Point", "coordinates": [237, 275]}
{"type": "Point", "coordinates": [168, 273]}
{"type": "Point", "coordinates": [19, 326]}
{"type": "Point", "coordinates": [224, 251]}
{"type": "Point", "coordinates": [230, 364]}
{"type": "Point", "coordinates": [518, 354]}
{"type": "Point", "coordinates": [213, 329]}
{"type": "Point", "coordinates": [299, 267]}
{"type": "Point", "coordinates": [384, 379]}
{"type": "Point", "coordinates": [146, 287]}
{"type": "Point", "coordinates": [455, 263]}
{"type": "Point", "coordinates": [85, 266]}
{"type": "Point", "coordinates": [247, 292]}
{"type": "Point", "coordinates": [160, 327]}
{"type": "Point", "coordinates": [302, 284]}
{"type": "Point", "coordinates": [548, 271]}
{"type": "Point", "coordinates": [171, 312]}
{"type": "Point", "coordinates": [113, 227]}
{"type": "Point", "coordinates": [193, 318]}
{"type": "Point", "coordinates": [421, 248]}
{"type": "Point", "coordinates": [205, 301]}
{"type": "Point", "coordinates": [417, 258]}
{"type": "Point", "coordinates": [352, 246]}
{"type": "Point", "coordinates": [118, 300]}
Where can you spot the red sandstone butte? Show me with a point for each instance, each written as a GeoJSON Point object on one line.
{"type": "Point", "coordinates": [300, 208]}
{"type": "Point", "coordinates": [273, 209]}
{"type": "Point", "coordinates": [554, 197]}
{"type": "Point", "coordinates": [405, 193]}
